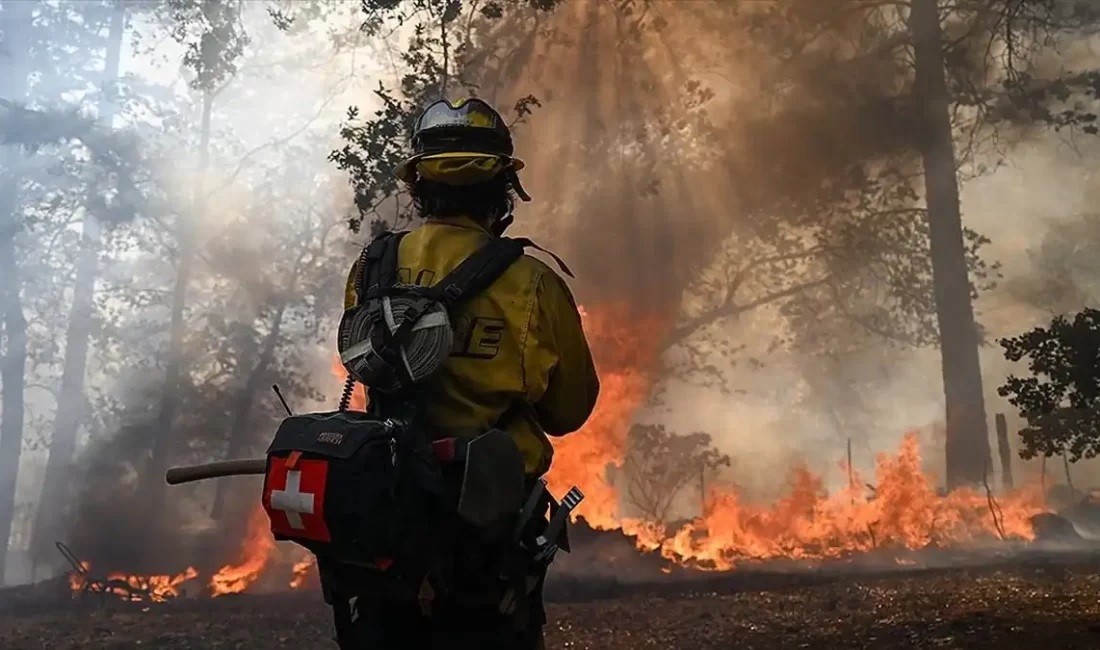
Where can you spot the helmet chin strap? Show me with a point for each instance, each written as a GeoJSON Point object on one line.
{"type": "Point", "coordinates": [513, 179]}
{"type": "Point", "coordinates": [500, 225]}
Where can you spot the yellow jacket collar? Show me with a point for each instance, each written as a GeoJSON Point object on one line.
{"type": "Point", "coordinates": [460, 222]}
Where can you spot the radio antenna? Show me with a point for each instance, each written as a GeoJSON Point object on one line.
{"type": "Point", "coordinates": [279, 394]}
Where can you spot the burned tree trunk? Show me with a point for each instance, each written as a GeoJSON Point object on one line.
{"type": "Point", "coordinates": [967, 447]}
{"type": "Point", "coordinates": [71, 402]}
{"type": "Point", "coordinates": [1004, 451]}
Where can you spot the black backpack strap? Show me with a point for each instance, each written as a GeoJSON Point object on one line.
{"type": "Point", "coordinates": [377, 276]}
{"type": "Point", "coordinates": [560, 262]}
{"type": "Point", "coordinates": [481, 269]}
{"type": "Point", "coordinates": [476, 272]}
{"type": "Point", "coordinates": [378, 266]}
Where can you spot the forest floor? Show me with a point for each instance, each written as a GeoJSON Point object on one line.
{"type": "Point", "coordinates": [1042, 605]}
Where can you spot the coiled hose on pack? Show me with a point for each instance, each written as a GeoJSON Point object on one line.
{"type": "Point", "coordinates": [428, 346]}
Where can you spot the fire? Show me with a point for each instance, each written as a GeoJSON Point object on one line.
{"type": "Point", "coordinates": [302, 570]}
{"type": "Point", "coordinates": [624, 349]}
{"type": "Point", "coordinates": [256, 553]}
{"type": "Point", "coordinates": [904, 512]}
{"type": "Point", "coordinates": [155, 588]}
{"type": "Point", "coordinates": [77, 581]}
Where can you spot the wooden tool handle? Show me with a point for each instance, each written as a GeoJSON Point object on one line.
{"type": "Point", "coordinates": [242, 467]}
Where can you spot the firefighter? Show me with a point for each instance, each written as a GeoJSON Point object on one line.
{"type": "Point", "coordinates": [519, 361]}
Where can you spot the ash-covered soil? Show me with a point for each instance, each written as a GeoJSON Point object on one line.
{"type": "Point", "coordinates": [1039, 604]}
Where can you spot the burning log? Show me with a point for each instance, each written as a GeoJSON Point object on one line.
{"type": "Point", "coordinates": [133, 588]}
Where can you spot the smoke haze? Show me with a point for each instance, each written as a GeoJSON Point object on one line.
{"type": "Point", "coordinates": [669, 147]}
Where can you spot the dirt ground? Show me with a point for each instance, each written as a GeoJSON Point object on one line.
{"type": "Point", "coordinates": [1042, 606]}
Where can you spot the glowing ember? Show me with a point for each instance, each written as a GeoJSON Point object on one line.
{"type": "Point", "coordinates": [302, 571]}
{"type": "Point", "coordinates": [256, 552]}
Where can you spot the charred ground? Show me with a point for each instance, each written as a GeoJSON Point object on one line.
{"type": "Point", "coordinates": [1037, 602]}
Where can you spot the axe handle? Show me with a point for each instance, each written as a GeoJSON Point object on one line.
{"type": "Point", "coordinates": [242, 467]}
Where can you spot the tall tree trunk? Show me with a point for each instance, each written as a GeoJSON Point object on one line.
{"type": "Point", "coordinates": [16, 18]}
{"type": "Point", "coordinates": [241, 417]}
{"type": "Point", "coordinates": [70, 409]}
{"type": "Point", "coordinates": [967, 448]}
{"type": "Point", "coordinates": [153, 479]}
{"type": "Point", "coordinates": [12, 375]}
{"type": "Point", "coordinates": [1001, 424]}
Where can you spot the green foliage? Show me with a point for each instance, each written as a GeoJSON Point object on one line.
{"type": "Point", "coordinates": [372, 151]}
{"type": "Point", "coordinates": [1061, 399]}
{"type": "Point", "coordinates": [434, 62]}
{"type": "Point", "coordinates": [212, 33]}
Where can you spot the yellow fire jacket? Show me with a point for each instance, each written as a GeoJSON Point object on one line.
{"type": "Point", "coordinates": [520, 362]}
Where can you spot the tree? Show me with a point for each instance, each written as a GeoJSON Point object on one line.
{"type": "Point", "coordinates": [296, 261]}
{"type": "Point", "coordinates": [1063, 274]}
{"type": "Point", "coordinates": [214, 40]}
{"type": "Point", "coordinates": [257, 303]}
{"type": "Point", "coordinates": [933, 75]}
{"type": "Point", "coordinates": [71, 400]}
{"type": "Point", "coordinates": [1060, 401]}
{"type": "Point", "coordinates": [659, 464]}
{"type": "Point", "coordinates": [447, 50]}
{"type": "Point", "coordinates": [855, 233]}
{"type": "Point", "coordinates": [967, 448]}
{"type": "Point", "coordinates": [16, 28]}
{"type": "Point", "coordinates": [35, 115]}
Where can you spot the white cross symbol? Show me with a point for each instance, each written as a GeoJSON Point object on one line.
{"type": "Point", "coordinates": [292, 501]}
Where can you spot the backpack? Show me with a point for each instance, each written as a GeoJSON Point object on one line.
{"type": "Point", "coordinates": [370, 493]}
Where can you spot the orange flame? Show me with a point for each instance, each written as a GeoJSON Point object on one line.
{"type": "Point", "coordinates": [256, 552]}
{"type": "Point", "coordinates": [624, 347]}
{"type": "Point", "coordinates": [302, 571]}
{"type": "Point", "coordinates": [905, 512]}
{"type": "Point", "coordinates": [154, 588]}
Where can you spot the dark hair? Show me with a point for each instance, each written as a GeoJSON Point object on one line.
{"type": "Point", "coordinates": [485, 202]}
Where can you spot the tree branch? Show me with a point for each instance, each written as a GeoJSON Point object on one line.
{"type": "Point", "coordinates": [731, 308]}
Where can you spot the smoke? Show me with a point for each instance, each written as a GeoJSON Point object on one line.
{"type": "Point", "coordinates": [268, 214]}
{"type": "Point", "coordinates": [671, 144]}
{"type": "Point", "coordinates": [671, 132]}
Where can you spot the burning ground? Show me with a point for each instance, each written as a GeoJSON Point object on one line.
{"type": "Point", "coordinates": [895, 517]}
{"type": "Point", "coordinates": [891, 562]}
{"type": "Point", "coordinates": [1048, 603]}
